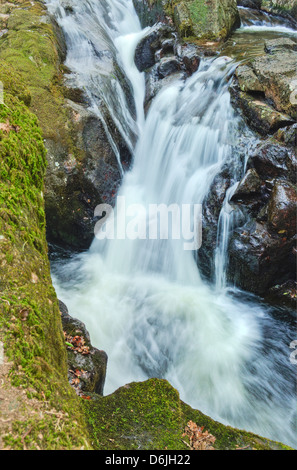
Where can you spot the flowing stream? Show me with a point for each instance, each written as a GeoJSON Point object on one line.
{"type": "Point", "coordinates": [143, 300]}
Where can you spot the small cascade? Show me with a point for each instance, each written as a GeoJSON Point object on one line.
{"type": "Point", "coordinates": [227, 223]}
{"type": "Point", "coordinates": [255, 20]}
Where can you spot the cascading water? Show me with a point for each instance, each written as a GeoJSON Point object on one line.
{"type": "Point", "coordinates": [254, 20]}
{"type": "Point", "coordinates": [143, 300]}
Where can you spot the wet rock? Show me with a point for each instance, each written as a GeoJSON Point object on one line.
{"type": "Point", "coordinates": [272, 160]}
{"type": "Point", "coordinates": [259, 260]}
{"type": "Point", "coordinates": [282, 209]}
{"type": "Point", "coordinates": [86, 364]}
{"type": "Point", "coordinates": [167, 66]}
{"type": "Point", "coordinates": [154, 84]}
{"type": "Point", "coordinates": [167, 49]}
{"type": "Point", "coordinates": [150, 44]}
{"type": "Point", "coordinates": [287, 135]}
{"type": "Point", "coordinates": [250, 185]}
{"type": "Point", "coordinates": [152, 11]}
{"type": "Point", "coordinates": [190, 56]}
{"type": "Point", "coordinates": [260, 115]}
{"type": "Point", "coordinates": [265, 88]}
{"type": "Point", "coordinates": [248, 80]}
{"type": "Point", "coordinates": [284, 294]}
{"type": "Point", "coordinates": [210, 217]}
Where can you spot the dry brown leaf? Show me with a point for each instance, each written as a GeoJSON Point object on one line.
{"type": "Point", "coordinates": [199, 439]}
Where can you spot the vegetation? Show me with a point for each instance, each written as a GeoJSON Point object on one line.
{"type": "Point", "coordinates": [30, 321]}
{"type": "Point", "coordinates": [150, 415]}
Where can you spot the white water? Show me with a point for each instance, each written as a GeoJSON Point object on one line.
{"type": "Point", "coordinates": [144, 301]}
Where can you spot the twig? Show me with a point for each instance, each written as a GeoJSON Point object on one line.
{"type": "Point", "coordinates": [186, 444]}
{"type": "Point", "coordinates": [24, 437]}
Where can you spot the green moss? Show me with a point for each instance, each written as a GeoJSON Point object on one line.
{"type": "Point", "coordinates": [150, 415]}
{"type": "Point", "coordinates": [30, 321]}
{"type": "Point", "coordinates": [32, 49]}
{"type": "Point", "coordinates": [199, 12]}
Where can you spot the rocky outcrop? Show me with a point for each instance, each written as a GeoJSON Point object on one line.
{"type": "Point", "coordinates": [262, 249]}
{"type": "Point", "coordinates": [77, 182]}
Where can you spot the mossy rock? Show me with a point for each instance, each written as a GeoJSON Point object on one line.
{"type": "Point", "coordinates": [199, 19]}
{"type": "Point", "coordinates": [150, 416]}
{"type": "Point", "coordinates": [30, 321]}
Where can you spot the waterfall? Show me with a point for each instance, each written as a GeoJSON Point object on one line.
{"type": "Point", "coordinates": [143, 299]}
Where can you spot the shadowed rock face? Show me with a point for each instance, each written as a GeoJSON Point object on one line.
{"type": "Point", "coordinates": [262, 252]}
{"type": "Point", "coordinates": [78, 182]}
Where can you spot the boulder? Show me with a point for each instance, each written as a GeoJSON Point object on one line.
{"type": "Point", "coordinates": [249, 186]}
{"type": "Point", "coordinates": [272, 160]}
{"type": "Point", "coordinates": [260, 115]}
{"type": "Point", "coordinates": [150, 44]}
{"type": "Point", "coordinates": [212, 20]}
{"type": "Point", "coordinates": [260, 260]}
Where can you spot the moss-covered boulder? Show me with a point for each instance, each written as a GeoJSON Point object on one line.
{"type": "Point", "coordinates": [198, 19]}
{"type": "Point", "coordinates": [211, 19]}
{"type": "Point", "coordinates": [150, 416]}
